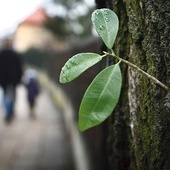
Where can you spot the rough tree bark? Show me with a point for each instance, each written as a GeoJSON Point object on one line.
{"type": "Point", "coordinates": [139, 129]}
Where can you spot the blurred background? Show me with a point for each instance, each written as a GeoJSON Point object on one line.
{"type": "Point", "coordinates": [46, 33]}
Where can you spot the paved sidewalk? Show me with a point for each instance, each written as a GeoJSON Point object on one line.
{"type": "Point", "coordinates": [40, 142]}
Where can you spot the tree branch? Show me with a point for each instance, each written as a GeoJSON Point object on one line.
{"type": "Point", "coordinates": [138, 69]}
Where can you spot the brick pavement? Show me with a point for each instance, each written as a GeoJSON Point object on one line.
{"type": "Point", "coordinates": [38, 142]}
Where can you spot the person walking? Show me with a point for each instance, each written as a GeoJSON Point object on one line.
{"type": "Point", "coordinates": [10, 76]}
{"type": "Point", "coordinates": [33, 88]}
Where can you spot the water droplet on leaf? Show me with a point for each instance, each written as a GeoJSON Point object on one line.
{"type": "Point", "coordinates": [102, 27]}
{"type": "Point", "coordinates": [96, 18]}
{"type": "Point", "coordinates": [107, 19]}
{"type": "Point", "coordinates": [68, 66]}
{"type": "Point", "coordinates": [97, 13]}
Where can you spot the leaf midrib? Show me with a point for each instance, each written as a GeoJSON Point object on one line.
{"type": "Point", "coordinates": [103, 90]}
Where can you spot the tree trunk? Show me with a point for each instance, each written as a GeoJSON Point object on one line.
{"type": "Point", "coordinates": [139, 129]}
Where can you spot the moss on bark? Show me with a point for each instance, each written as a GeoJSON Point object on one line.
{"type": "Point", "coordinates": [149, 46]}
{"type": "Point", "coordinates": [144, 39]}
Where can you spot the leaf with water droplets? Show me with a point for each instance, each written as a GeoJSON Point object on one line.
{"type": "Point", "coordinates": [106, 24]}
{"type": "Point", "coordinates": [77, 65]}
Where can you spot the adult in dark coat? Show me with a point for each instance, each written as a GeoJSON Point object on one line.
{"type": "Point", "coordinates": [10, 75]}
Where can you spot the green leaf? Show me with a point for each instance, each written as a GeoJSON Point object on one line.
{"type": "Point", "coordinates": [100, 98]}
{"type": "Point", "coordinates": [77, 65]}
{"type": "Point", "coordinates": [106, 24]}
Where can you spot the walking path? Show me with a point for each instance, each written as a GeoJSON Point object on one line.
{"type": "Point", "coordinates": [35, 142]}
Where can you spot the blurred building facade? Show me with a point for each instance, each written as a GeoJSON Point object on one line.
{"type": "Point", "coordinates": [31, 33]}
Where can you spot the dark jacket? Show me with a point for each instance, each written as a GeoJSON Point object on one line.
{"type": "Point", "coordinates": [33, 89]}
{"type": "Point", "coordinates": [10, 68]}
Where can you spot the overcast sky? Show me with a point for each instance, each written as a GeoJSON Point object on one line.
{"type": "Point", "coordinates": [12, 12]}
